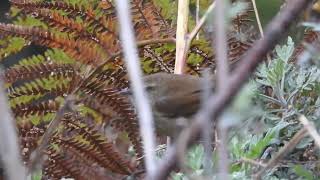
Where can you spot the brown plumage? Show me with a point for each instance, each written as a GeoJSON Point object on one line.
{"type": "Point", "coordinates": [174, 99]}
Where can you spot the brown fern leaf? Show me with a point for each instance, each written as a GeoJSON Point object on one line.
{"type": "Point", "coordinates": [64, 164]}
{"type": "Point", "coordinates": [120, 105]}
{"type": "Point", "coordinates": [103, 28]}
{"type": "Point", "coordinates": [107, 7]}
{"type": "Point", "coordinates": [242, 21]}
{"type": "Point", "coordinates": [98, 149]}
{"type": "Point", "coordinates": [309, 37]}
{"type": "Point", "coordinates": [23, 110]}
{"type": "Point", "coordinates": [115, 77]}
{"type": "Point", "coordinates": [29, 136]}
{"type": "Point", "coordinates": [38, 71]}
{"type": "Point", "coordinates": [106, 113]}
{"type": "Point", "coordinates": [237, 47]}
{"type": "Point", "coordinates": [91, 154]}
{"type": "Point", "coordinates": [148, 21]}
{"type": "Point", "coordinates": [60, 22]}
{"type": "Point", "coordinates": [84, 51]}
{"type": "Point", "coordinates": [107, 40]}
{"type": "Point", "coordinates": [37, 88]}
{"type": "Point", "coordinates": [112, 72]}
{"type": "Point", "coordinates": [164, 63]}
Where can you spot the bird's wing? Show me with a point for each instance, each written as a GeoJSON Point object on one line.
{"type": "Point", "coordinates": [179, 105]}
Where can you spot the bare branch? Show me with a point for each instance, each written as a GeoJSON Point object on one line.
{"type": "Point", "coordinates": [9, 144]}
{"type": "Point", "coordinates": [220, 45]}
{"type": "Point", "coordinates": [135, 74]}
{"type": "Point", "coordinates": [249, 62]}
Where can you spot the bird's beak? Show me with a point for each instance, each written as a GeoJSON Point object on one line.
{"type": "Point", "coordinates": [125, 92]}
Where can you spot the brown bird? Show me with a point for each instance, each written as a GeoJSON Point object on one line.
{"type": "Point", "coordinates": [174, 99]}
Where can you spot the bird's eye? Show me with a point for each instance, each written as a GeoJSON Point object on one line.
{"type": "Point", "coordinates": [150, 88]}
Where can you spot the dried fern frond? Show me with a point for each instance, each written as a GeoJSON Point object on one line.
{"type": "Point", "coordinates": [29, 136]}
{"type": "Point", "coordinates": [83, 51]}
{"type": "Point", "coordinates": [309, 37]}
{"type": "Point", "coordinates": [110, 99]}
{"type": "Point", "coordinates": [41, 70]}
{"type": "Point", "coordinates": [40, 109]}
{"type": "Point", "coordinates": [148, 22]}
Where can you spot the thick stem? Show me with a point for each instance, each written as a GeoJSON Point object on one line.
{"type": "Point", "coordinates": [181, 42]}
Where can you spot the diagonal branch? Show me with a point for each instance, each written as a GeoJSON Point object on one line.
{"type": "Point", "coordinates": [217, 103]}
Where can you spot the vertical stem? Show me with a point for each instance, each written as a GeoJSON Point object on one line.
{"type": "Point", "coordinates": [181, 34]}
{"type": "Point", "coordinates": [135, 74]}
{"type": "Point", "coordinates": [197, 16]}
{"type": "Point", "coordinates": [9, 146]}
{"type": "Point", "coordinates": [223, 76]}
{"type": "Point", "coordinates": [221, 45]}
{"type": "Point", "coordinates": [223, 152]}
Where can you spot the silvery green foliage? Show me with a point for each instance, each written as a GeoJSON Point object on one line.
{"type": "Point", "coordinates": [295, 91]}
{"type": "Point", "coordinates": [194, 161]}
{"type": "Point", "coordinates": [268, 120]}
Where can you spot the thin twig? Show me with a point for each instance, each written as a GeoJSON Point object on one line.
{"type": "Point", "coordinates": [283, 151]}
{"type": "Point", "coordinates": [201, 22]}
{"type": "Point", "coordinates": [311, 129]}
{"type": "Point", "coordinates": [36, 157]}
{"type": "Point", "coordinates": [142, 103]}
{"type": "Point", "coordinates": [256, 12]}
{"type": "Point", "coordinates": [248, 63]}
{"type": "Point", "coordinates": [181, 34]}
{"type": "Point", "coordinates": [253, 162]}
{"type": "Point", "coordinates": [154, 41]}
{"type": "Point", "coordinates": [197, 15]}
{"type": "Point", "coordinates": [9, 144]}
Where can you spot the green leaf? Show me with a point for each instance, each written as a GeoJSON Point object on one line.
{"type": "Point", "coordinates": [302, 172]}
{"type": "Point", "coordinates": [195, 157]}
{"type": "Point", "coordinates": [285, 52]}
{"type": "Point", "coordinates": [275, 74]}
